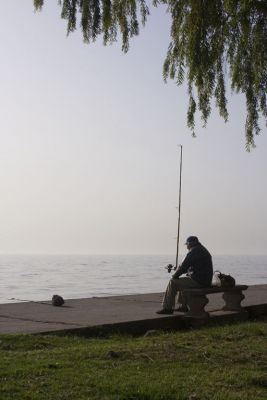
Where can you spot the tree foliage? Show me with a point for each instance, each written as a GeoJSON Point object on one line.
{"type": "Point", "coordinates": [210, 40]}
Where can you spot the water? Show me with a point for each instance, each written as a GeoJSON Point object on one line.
{"type": "Point", "coordinates": [38, 277]}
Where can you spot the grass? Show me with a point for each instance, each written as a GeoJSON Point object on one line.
{"type": "Point", "coordinates": [217, 363]}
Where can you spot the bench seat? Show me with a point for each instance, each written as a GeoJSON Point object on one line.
{"type": "Point", "coordinates": [197, 300]}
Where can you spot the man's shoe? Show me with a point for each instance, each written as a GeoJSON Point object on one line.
{"type": "Point", "coordinates": [164, 311]}
{"type": "Point", "coordinates": [182, 309]}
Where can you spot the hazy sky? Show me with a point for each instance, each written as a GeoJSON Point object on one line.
{"type": "Point", "coordinates": [89, 158]}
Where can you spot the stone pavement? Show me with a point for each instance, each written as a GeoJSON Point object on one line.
{"type": "Point", "coordinates": [131, 312]}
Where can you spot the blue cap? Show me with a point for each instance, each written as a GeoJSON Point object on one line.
{"type": "Point", "coordinates": [192, 240]}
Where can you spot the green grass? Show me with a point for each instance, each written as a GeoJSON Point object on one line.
{"type": "Point", "coordinates": [217, 363]}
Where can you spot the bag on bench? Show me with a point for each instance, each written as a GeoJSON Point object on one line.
{"type": "Point", "coordinates": [222, 280]}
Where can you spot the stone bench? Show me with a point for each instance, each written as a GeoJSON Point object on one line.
{"type": "Point", "coordinates": [197, 299]}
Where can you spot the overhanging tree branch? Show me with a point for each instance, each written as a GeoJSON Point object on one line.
{"type": "Point", "coordinates": [209, 40]}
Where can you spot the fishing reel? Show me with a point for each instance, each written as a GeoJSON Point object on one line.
{"type": "Point", "coordinates": [170, 268]}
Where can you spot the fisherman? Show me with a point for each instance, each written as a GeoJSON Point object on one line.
{"type": "Point", "coordinates": [198, 268]}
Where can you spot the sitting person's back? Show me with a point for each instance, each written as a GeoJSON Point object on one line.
{"type": "Point", "coordinates": [197, 264]}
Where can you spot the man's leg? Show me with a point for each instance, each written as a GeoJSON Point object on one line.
{"type": "Point", "coordinates": [175, 286]}
{"type": "Point", "coordinates": [182, 297]}
{"type": "Point", "coordinates": [181, 302]}
{"type": "Point", "coordinates": [170, 294]}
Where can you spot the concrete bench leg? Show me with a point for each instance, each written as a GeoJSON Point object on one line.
{"type": "Point", "coordinates": [196, 303]}
{"type": "Point", "coordinates": [233, 301]}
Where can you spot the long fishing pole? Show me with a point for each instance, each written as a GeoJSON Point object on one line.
{"type": "Point", "coordinates": [170, 267]}
{"type": "Point", "coordinates": [179, 206]}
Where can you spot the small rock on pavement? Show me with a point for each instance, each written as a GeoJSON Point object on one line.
{"type": "Point", "coordinates": [57, 300]}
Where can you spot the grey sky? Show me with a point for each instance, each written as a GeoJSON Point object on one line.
{"type": "Point", "coordinates": [89, 158]}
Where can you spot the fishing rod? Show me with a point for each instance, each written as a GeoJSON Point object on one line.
{"type": "Point", "coordinates": [170, 267]}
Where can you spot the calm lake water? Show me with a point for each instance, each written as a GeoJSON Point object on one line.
{"type": "Point", "coordinates": [35, 277]}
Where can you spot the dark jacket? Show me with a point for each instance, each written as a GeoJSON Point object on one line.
{"type": "Point", "coordinates": [198, 265]}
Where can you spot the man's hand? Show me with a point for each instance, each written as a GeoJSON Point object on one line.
{"type": "Point", "coordinates": [169, 268]}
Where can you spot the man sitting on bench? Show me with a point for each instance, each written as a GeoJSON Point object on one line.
{"type": "Point", "coordinates": [198, 268]}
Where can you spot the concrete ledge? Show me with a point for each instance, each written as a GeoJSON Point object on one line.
{"type": "Point", "coordinates": [166, 323]}
{"type": "Point", "coordinates": [132, 314]}
{"type": "Point", "coordinates": [257, 310]}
